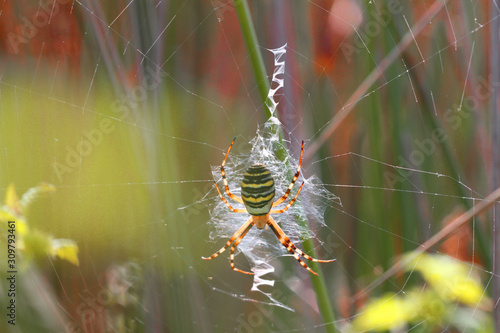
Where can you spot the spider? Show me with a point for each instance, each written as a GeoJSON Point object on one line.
{"type": "Point", "coordinates": [257, 194]}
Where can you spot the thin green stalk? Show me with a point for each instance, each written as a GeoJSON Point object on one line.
{"type": "Point", "coordinates": [377, 202]}
{"type": "Point", "coordinates": [259, 70]}
{"type": "Point", "coordinates": [319, 285]}
{"type": "Point", "coordinates": [248, 31]}
{"type": "Point", "coordinates": [412, 226]}
{"type": "Point", "coordinates": [374, 201]}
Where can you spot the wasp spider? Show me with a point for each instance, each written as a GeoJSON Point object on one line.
{"type": "Point", "coordinates": [257, 194]}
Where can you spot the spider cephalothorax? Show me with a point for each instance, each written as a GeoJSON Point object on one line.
{"type": "Point", "coordinates": [257, 194]}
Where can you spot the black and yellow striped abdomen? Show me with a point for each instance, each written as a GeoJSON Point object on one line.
{"type": "Point", "coordinates": [257, 190]}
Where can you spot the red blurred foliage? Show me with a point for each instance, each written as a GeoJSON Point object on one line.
{"type": "Point", "coordinates": [332, 23]}
{"type": "Point", "coordinates": [46, 29]}
{"type": "Point", "coordinates": [222, 67]}
{"type": "Point", "coordinates": [460, 243]}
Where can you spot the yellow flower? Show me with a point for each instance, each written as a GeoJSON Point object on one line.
{"type": "Point", "coordinates": [451, 279]}
{"type": "Point", "coordinates": [65, 249]}
{"type": "Point", "coordinates": [31, 243]}
{"type": "Point", "coordinates": [427, 306]}
{"type": "Point", "coordinates": [385, 313]}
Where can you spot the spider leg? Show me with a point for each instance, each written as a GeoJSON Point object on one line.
{"type": "Point", "coordinates": [282, 237]}
{"type": "Point", "coordinates": [279, 211]}
{"type": "Point", "coordinates": [223, 172]}
{"type": "Point", "coordinates": [292, 246]}
{"type": "Point", "coordinates": [284, 240]}
{"type": "Point", "coordinates": [236, 210]}
{"type": "Point", "coordinates": [233, 247]}
{"type": "Point", "coordinates": [237, 234]}
{"type": "Point", "coordinates": [287, 193]}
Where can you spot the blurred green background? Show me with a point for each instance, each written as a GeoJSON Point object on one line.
{"type": "Point", "coordinates": [124, 107]}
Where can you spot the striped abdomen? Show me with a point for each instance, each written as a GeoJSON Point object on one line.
{"type": "Point", "coordinates": [257, 190]}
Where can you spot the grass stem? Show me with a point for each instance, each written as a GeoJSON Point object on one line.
{"type": "Point", "coordinates": [250, 36]}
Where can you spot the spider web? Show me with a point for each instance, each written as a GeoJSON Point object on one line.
{"type": "Point", "coordinates": [260, 247]}
{"type": "Point", "coordinates": [140, 257]}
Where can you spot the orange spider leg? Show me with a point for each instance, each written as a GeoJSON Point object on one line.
{"type": "Point", "coordinates": [236, 210]}
{"type": "Point", "coordinates": [237, 234]}
{"type": "Point", "coordinates": [290, 247]}
{"type": "Point", "coordinates": [279, 211]}
{"type": "Point", "coordinates": [287, 193]}
{"type": "Point", "coordinates": [236, 242]}
{"type": "Point", "coordinates": [223, 172]}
